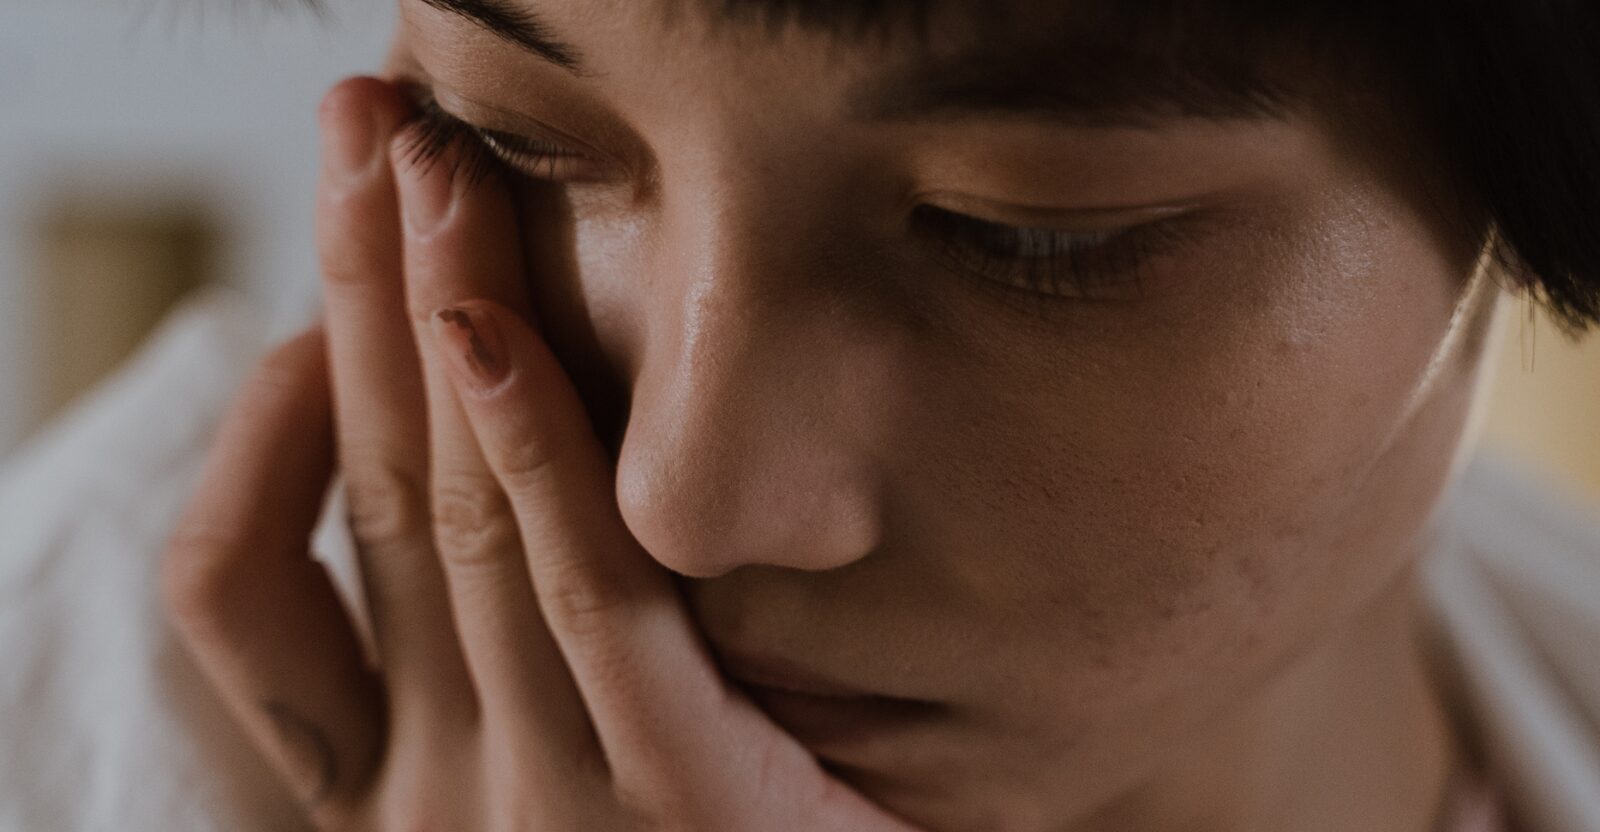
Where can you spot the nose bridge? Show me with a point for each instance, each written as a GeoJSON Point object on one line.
{"type": "Point", "coordinates": [738, 446]}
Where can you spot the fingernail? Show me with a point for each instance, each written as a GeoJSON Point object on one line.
{"type": "Point", "coordinates": [473, 347]}
{"type": "Point", "coordinates": [350, 150]}
{"type": "Point", "coordinates": [427, 187]}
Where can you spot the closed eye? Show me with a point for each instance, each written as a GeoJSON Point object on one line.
{"type": "Point", "coordinates": [1088, 265]}
{"type": "Point", "coordinates": [435, 129]}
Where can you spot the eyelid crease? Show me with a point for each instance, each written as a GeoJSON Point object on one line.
{"type": "Point", "coordinates": [535, 157]}
{"type": "Point", "coordinates": [530, 156]}
{"type": "Point", "coordinates": [513, 143]}
{"type": "Point", "coordinates": [1086, 219]}
{"type": "Point", "coordinates": [1045, 268]}
{"type": "Point", "coordinates": [482, 116]}
{"type": "Point", "coordinates": [507, 122]}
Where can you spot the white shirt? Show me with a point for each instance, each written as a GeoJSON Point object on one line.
{"type": "Point", "coordinates": [106, 725]}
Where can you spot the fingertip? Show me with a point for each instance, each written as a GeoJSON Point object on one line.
{"type": "Point", "coordinates": [364, 96]}
{"type": "Point", "coordinates": [356, 117]}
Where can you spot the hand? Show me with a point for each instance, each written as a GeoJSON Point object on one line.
{"type": "Point", "coordinates": [536, 670]}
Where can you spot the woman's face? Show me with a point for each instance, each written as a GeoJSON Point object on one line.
{"type": "Point", "coordinates": [888, 440]}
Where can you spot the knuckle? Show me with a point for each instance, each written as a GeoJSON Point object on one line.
{"type": "Point", "coordinates": [529, 459]}
{"type": "Point", "coordinates": [284, 372]}
{"type": "Point", "coordinates": [198, 577]}
{"type": "Point", "coordinates": [387, 504]}
{"type": "Point", "coordinates": [472, 523]}
{"type": "Point", "coordinates": [352, 258]}
{"type": "Point", "coordinates": [580, 602]}
{"type": "Point", "coordinates": [345, 264]}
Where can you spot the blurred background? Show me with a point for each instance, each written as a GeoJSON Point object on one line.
{"type": "Point", "coordinates": [150, 147]}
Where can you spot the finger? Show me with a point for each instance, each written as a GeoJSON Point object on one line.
{"type": "Point", "coordinates": [461, 241]}
{"type": "Point", "coordinates": [260, 616]}
{"type": "Point", "coordinates": [382, 423]}
{"type": "Point", "coordinates": [653, 692]}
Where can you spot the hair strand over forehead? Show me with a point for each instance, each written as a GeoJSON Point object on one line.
{"type": "Point", "coordinates": [1506, 93]}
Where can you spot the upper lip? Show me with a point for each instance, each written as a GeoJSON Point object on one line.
{"type": "Point", "coordinates": [782, 674]}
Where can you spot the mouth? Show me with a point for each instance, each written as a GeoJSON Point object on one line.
{"type": "Point", "coordinates": [822, 713]}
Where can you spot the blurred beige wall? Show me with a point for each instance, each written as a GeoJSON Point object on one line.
{"type": "Point", "coordinates": [106, 277]}
{"type": "Point", "coordinates": [120, 110]}
{"type": "Point", "coordinates": [1544, 397]}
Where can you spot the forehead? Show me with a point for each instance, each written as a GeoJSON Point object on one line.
{"type": "Point", "coordinates": [1138, 24]}
{"type": "Point", "coordinates": [1147, 25]}
{"type": "Point", "coordinates": [846, 18]}
{"type": "Point", "coordinates": [1088, 59]}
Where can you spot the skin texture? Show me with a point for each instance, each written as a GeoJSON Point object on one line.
{"type": "Point", "coordinates": [1148, 560]}
{"type": "Point", "coordinates": [1092, 533]}
{"type": "Point", "coordinates": [531, 667]}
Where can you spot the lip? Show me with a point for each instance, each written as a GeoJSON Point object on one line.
{"type": "Point", "coordinates": [822, 713]}
{"type": "Point", "coordinates": [783, 675]}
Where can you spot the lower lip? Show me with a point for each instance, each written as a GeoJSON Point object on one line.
{"type": "Point", "coordinates": [838, 721]}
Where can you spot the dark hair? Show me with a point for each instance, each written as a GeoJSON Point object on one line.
{"type": "Point", "coordinates": [1509, 93]}
{"type": "Point", "coordinates": [1503, 96]}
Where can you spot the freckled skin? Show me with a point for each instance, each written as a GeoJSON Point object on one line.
{"type": "Point", "coordinates": [1115, 539]}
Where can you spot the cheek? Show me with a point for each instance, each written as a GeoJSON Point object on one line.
{"type": "Point", "coordinates": [1233, 475]}
{"type": "Point", "coordinates": [585, 278]}
{"type": "Point", "coordinates": [583, 252]}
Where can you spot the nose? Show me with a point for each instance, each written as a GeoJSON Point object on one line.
{"type": "Point", "coordinates": [745, 441]}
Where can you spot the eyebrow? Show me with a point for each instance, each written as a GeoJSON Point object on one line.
{"type": "Point", "coordinates": [1093, 87]}
{"type": "Point", "coordinates": [517, 25]}
{"type": "Point", "coordinates": [1067, 81]}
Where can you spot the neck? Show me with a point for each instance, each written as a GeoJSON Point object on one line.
{"type": "Point", "coordinates": [1354, 736]}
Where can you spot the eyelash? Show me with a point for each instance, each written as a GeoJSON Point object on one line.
{"type": "Point", "coordinates": [484, 152]}
{"type": "Point", "coordinates": [1042, 263]}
